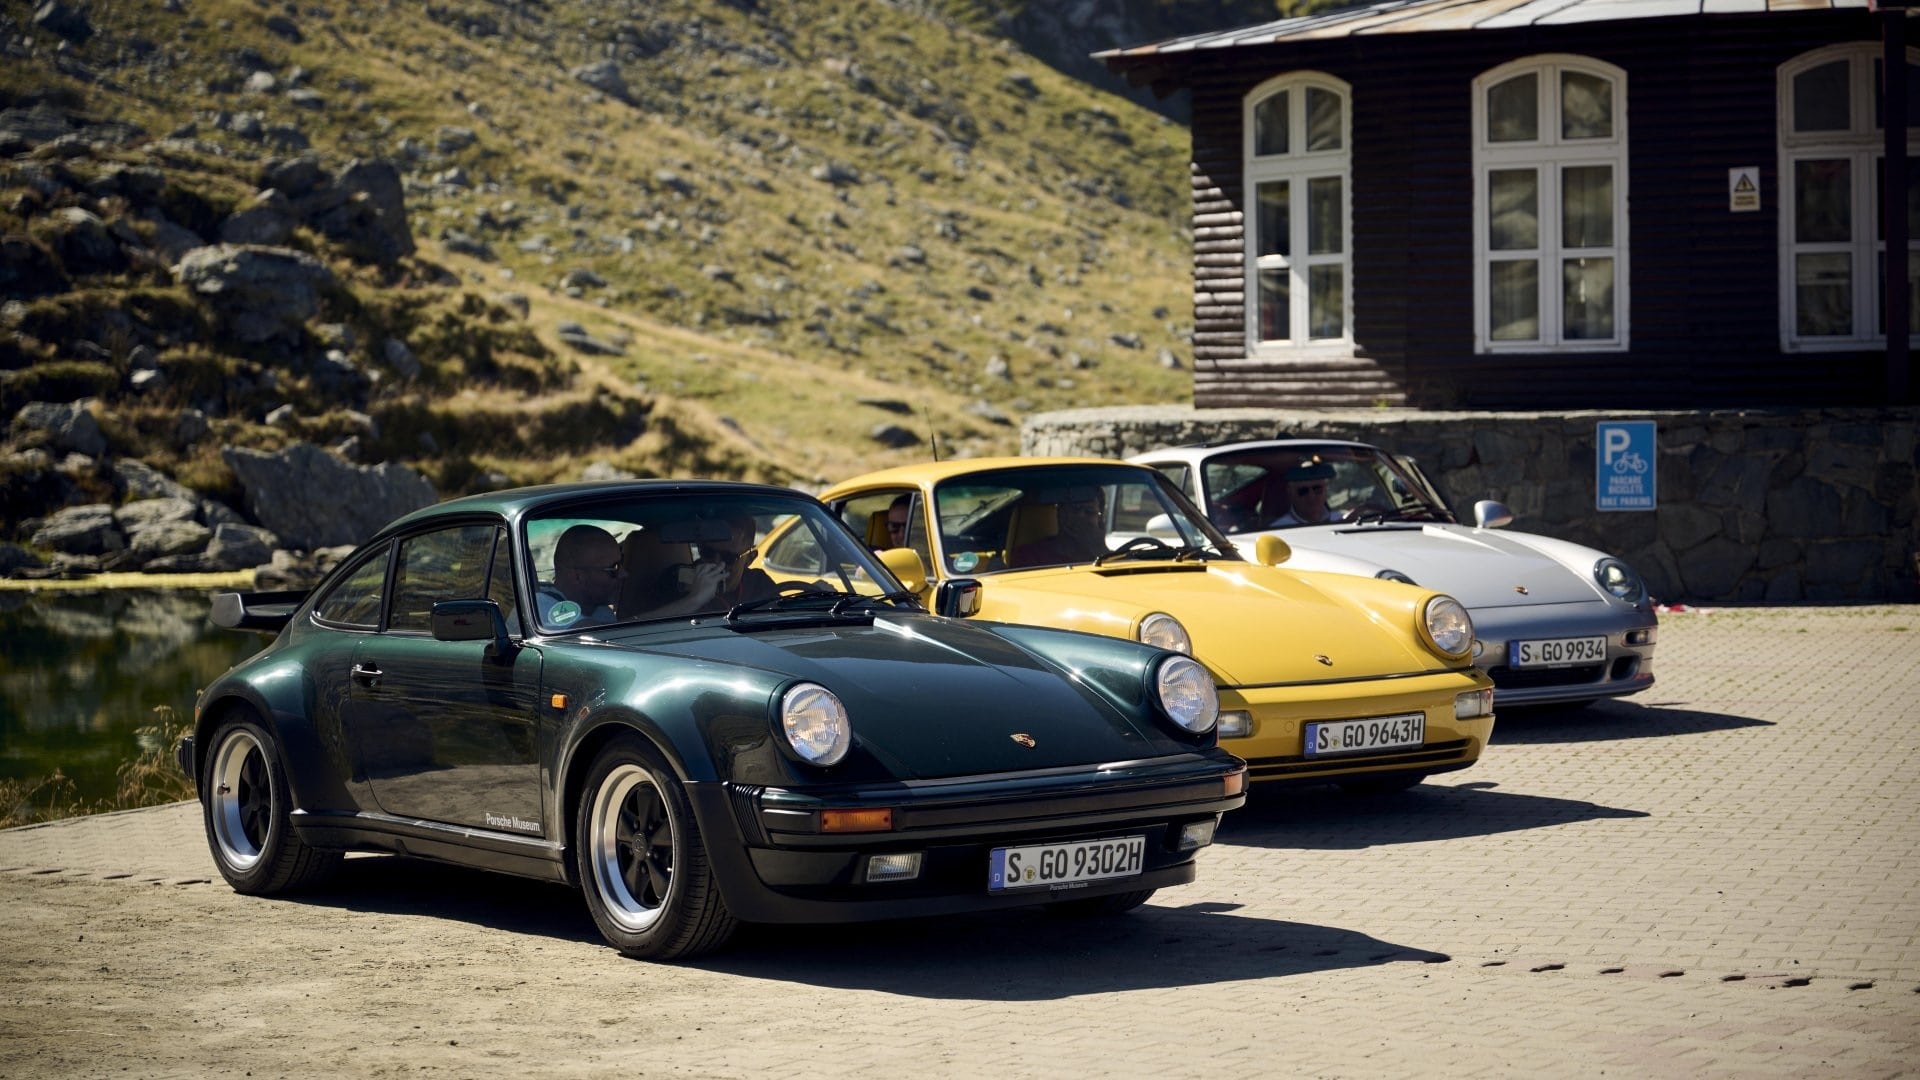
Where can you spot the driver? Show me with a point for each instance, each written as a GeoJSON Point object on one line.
{"type": "Point", "coordinates": [587, 576]}
{"type": "Point", "coordinates": [1307, 496]}
{"type": "Point", "coordinates": [1079, 537]}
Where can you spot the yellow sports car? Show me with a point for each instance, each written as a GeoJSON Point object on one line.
{"type": "Point", "coordinates": [1322, 677]}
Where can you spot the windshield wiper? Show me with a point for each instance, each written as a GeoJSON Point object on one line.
{"type": "Point", "coordinates": [1147, 547]}
{"type": "Point", "coordinates": [852, 600]}
{"type": "Point", "coordinates": [843, 602]}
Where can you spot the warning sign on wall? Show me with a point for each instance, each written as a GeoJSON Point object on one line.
{"type": "Point", "coordinates": [1743, 188]}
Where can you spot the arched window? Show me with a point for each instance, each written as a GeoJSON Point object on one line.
{"type": "Point", "coordinates": [1298, 243]}
{"type": "Point", "coordinates": [1550, 206]}
{"type": "Point", "coordinates": [1833, 248]}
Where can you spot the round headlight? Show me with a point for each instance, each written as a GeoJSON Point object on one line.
{"type": "Point", "coordinates": [1618, 579]}
{"type": "Point", "coordinates": [1394, 575]}
{"type": "Point", "coordinates": [1187, 694]}
{"type": "Point", "coordinates": [816, 724]}
{"type": "Point", "coordinates": [1449, 626]}
{"type": "Point", "coordinates": [1164, 631]}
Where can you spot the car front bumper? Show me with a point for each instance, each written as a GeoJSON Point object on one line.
{"type": "Point", "coordinates": [1627, 669]}
{"type": "Point", "coordinates": [1275, 750]}
{"type": "Point", "coordinates": [786, 870]}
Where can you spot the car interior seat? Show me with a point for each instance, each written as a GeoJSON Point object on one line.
{"type": "Point", "coordinates": [1030, 523]}
{"type": "Point", "coordinates": [878, 538]}
{"type": "Point", "coordinates": [647, 559]}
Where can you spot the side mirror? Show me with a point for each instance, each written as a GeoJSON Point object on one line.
{"type": "Point", "coordinates": [957, 598]}
{"type": "Point", "coordinates": [1270, 550]}
{"type": "Point", "coordinates": [906, 565]}
{"type": "Point", "coordinates": [1488, 514]}
{"type": "Point", "coordinates": [1161, 527]}
{"type": "Point", "coordinates": [472, 620]}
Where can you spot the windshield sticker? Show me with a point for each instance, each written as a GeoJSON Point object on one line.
{"type": "Point", "coordinates": [564, 612]}
{"type": "Point", "coordinates": [965, 561]}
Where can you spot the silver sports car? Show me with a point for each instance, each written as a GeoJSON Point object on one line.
{"type": "Point", "coordinates": [1557, 622]}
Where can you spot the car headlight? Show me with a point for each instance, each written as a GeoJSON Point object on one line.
{"type": "Point", "coordinates": [1618, 579]}
{"type": "Point", "coordinates": [1187, 694]}
{"type": "Point", "coordinates": [1448, 626]}
{"type": "Point", "coordinates": [1164, 631]}
{"type": "Point", "coordinates": [1395, 575]}
{"type": "Point", "coordinates": [816, 724]}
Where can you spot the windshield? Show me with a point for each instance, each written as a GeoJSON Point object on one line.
{"type": "Point", "coordinates": [1296, 484]}
{"type": "Point", "coordinates": [670, 555]}
{"type": "Point", "coordinates": [1012, 519]}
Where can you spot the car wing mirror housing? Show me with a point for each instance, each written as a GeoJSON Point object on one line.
{"type": "Point", "coordinates": [906, 565]}
{"type": "Point", "coordinates": [1488, 514]}
{"type": "Point", "coordinates": [1270, 550]}
{"type": "Point", "coordinates": [473, 620]}
{"type": "Point", "coordinates": [957, 598]}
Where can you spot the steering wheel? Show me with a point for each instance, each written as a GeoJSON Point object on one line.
{"type": "Point", "coordinates": [1372, 511]}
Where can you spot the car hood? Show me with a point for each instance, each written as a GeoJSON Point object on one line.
{"type": "Point", "coordinates": [1480, 568]}
{"type": "Point", "coordinates": [933, 698]}
{"type": "Point", "coordinates": [1251, 624]}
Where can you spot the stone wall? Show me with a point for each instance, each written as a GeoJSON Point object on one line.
{"type": "Point", "coordinates": [1770, 506]}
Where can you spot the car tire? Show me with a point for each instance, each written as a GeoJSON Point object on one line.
{"type": "Point", "coordinates": [245, 802]}
{"type": "Point", "coordinates": [1381, 785]}
{"type": "Point", "coordinates": [641, 860]}
{"type": "Point", "coordinates": [1100, 906]}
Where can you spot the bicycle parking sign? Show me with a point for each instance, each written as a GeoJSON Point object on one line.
{"type": "Point", "coordinates": [1623, 465]}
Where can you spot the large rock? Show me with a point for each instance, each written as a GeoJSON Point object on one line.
{"type": "Point", "coordinates": [80, 530]}
{"type": "Point", "coordinates": [605, 77]}
{"type": "Point", "coordinates": [259, 293]}
{"type": "Point", "coordinates": [312, 499]}
{"type": "Point", "coordinates": [238, 547]}
{"type": "Point", "coordinates": [364, 211]}
{"type": "Point", "coordinates": [65, 425]}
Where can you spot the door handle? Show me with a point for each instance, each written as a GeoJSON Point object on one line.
{"type": "Point", "coordinates": [368, 676]}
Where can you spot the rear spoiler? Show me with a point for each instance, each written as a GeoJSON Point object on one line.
{"type": "Point", "coordinates": [269, 611]}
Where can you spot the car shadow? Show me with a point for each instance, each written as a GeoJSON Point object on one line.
{"type": "Point", "coordinates": [1020, 955]}
{"type": "Point", "coordinates": [1607, 721]}
{"type": "Point", "coordinates": [1033, 955]}
{"type": "Point", "coordinates": [1321, 818]}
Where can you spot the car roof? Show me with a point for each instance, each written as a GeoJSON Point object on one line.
{"type": "Point", "coordinates": [936, 471]}
{"type": "Point", "coordinates": [1208, 449]}
{"type": "Point", "coordinates": [515, 502]}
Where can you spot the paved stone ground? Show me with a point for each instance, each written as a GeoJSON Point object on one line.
{"type": "Point", "coordinates": [1719, 878]}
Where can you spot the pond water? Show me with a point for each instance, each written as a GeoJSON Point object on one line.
{"type": "Point", "coordinates": [82, 671]}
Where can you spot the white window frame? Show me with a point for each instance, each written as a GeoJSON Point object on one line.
{"type": "Point", "coordinates": [1864, 145]}
{"type": "Point", "coordinates": [1298, 166]}
{"type": "Point", "coordinates": [1548, 155]}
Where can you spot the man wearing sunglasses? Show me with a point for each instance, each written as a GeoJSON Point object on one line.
{"type": "Point", "coordinates": [586, 579]}
{"type": "Point", "coordinates": [1307, 496]}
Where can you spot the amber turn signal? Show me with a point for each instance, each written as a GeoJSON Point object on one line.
{"type": "Point", "coordinates": [1235, 784]}
{"type": "Point", "coordinates": [844, 821]}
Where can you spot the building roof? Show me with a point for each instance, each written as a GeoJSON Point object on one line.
{"type": "Point", "coordinates": [1423, 16]}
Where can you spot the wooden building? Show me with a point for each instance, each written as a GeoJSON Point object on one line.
{"type": "Point", "coordinates": [1542, 204]}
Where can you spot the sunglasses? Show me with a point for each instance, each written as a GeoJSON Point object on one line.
{"type": "Point", "coordinates": [896, 526]}
{"type": "Point", "coordinates": [610, 571]}
{"type": "Point", "coordinates": [1310, 489]}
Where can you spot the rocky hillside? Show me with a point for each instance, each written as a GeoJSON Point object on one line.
{"type": "Point", "coordinates": [492, 242]}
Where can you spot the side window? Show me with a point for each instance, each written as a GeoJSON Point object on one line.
{"type": "Point", "coordinates": [1179, 475]}
{"type": "Point", "coordinates": [355, 601]}
{"type": "Point", "coordinates": [447, 565]}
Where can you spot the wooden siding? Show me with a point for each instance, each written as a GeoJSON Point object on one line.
{"type": "Point", "coordinates": [1702, 303]}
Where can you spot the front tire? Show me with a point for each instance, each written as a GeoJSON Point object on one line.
{"type": "Point", "coordinates": [642, 863]}
{"type": "Point", "coordinates": [245, 802]}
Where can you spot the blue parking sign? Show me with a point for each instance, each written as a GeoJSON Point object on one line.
{"type": "Point", "coordinates": [1623, 465]}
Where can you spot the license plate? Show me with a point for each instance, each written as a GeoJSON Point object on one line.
{"type": "Point", "coordinates": [1557, 652]}
{"type": "Point", "coordinates": [1363, 736]}
{"type": "Point", "coordinates": [1064, 864]}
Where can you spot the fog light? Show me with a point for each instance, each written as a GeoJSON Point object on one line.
{"type": "Point", "coordinates": [902, 867]}
{"type": "Point", "coordinates": [1196, 834]}
{"type": "Point", "coordinates": [1235, 725]}
{"type": "Point", "coordinates": [1473, 703]}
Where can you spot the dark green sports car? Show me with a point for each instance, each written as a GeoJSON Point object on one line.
{"type": "Point", "coordinates": [610, 685]}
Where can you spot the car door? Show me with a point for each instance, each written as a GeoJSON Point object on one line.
{"type": "Point", "coordinates": [446, 731]}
